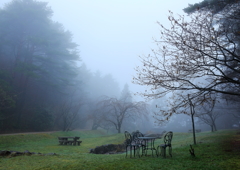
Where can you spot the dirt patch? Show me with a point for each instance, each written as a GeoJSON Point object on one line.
{"type": "Point", "coordinates": [234, 144]}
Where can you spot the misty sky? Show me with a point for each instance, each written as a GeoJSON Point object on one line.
{"type": "Point", "coordinates": [112, 33]}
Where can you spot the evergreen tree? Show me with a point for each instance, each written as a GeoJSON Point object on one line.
{"type": "Point", "coordinates": [125, 94]}
{"type": "Point", "coordinates": [211, 5]}
{"type": "Point", "coordinates": [38, 54]}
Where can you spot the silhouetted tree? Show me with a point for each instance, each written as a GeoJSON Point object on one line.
{"type": "Point", "coordinates": [208, 113]}
{"type": "Point", "coordinates": [192, 56]}
{"type": "Point", "coordinates": [38, 54]}
{"type": "Point", "coordinates": [95, 114]}
{"type": "Point", "coordinates": [117, 111]}
{"type": "Point", "coordinates": [228, 12]}
{"type": "Point", "coordinates": [214, 6]}
{"type": "Point", "coordinates": [125, 94]}
{"type": "Point", "coordinates": [67, 114]}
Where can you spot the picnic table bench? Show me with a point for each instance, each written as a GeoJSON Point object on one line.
{"type": "Point", "coordinates": [69, 140]}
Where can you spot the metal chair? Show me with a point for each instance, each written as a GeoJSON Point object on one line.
{"type": "Point", "coordinates": [167, 143]}
{"type": "Point", "coordinates": [142, 143]}
{"type": "Point", "coordinates": [132, 143]}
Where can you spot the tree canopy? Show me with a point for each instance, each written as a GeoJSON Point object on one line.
{"type": "Point", "coordinates": [196, 56]}
{"type": "Point", "coordinates": [212, 5]}
{"type": "Point", "coordinates": [38, 59]}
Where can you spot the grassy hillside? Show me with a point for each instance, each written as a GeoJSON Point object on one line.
{"type": "Point", "coordinates": [218, 150]}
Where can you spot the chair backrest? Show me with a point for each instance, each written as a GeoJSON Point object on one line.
{"type": "Point", "coordinates": [136, 134]}
{"type": "Point", "coordinates": [168, 138]}
{"type": "Point", "coordinates": [128, 138]}
{"type": "Point", "coordinates": [135, 138]}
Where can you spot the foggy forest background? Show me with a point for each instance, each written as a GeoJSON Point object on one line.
{"type": "Point", "coordinates": [45, 86]}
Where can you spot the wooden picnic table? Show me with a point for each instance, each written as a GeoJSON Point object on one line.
{"type": "Point", "coordinates": [69, 140]}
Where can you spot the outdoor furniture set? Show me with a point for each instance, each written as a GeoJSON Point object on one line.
{"type": "Point", "coordinates": [138, 142]}
{"type": "Point", "coordinates": [68, 140]}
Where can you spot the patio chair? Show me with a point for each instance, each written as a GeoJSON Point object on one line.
{"type": "Point", "coordinates": [142, 143]}
{"type": "Point", "coordinates": [167, 143]}
{"type": "Point", "coordinates": [137, 134]}
{"type": "Point", "coordinates": [132, 143]}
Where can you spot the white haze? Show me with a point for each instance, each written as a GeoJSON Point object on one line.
{"type": "Point", "coordinates": [112, 33]}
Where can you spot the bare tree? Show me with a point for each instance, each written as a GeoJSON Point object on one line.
{"type": "Point", "coordinates": [233, 105]}
{"type": "Point", "coordinates": [208, 114]}
{"type": "Point", "coordinates": [67, 114]}
{"type": "Point", "coordinates": [117, 111]}
{"type": "Point", "coordinates": [192, 113]}
{"type": "Point", "coordinates": [97, 116]}
{"type": "Point", "coordinates": [181, 103]}
{"type": "Point", "coordinates": [193, 56]}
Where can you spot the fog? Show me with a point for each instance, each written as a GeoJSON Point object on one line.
{"type": "Point", "coordinates": [111, 35]}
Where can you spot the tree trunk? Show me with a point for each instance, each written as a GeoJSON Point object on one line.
{"type": "Point", "coordinates": [193, 127]}
{"type": "Point", "coordinates": [192, 111]}
{"type": "Point", "coordinates": [119, 127]}
{"type": "Point", "coordinates": [214, 126]}
{"type": "Point", "coordinates": [211, 128]}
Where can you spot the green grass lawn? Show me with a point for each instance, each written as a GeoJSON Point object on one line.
{"type": "Point", "coordinates": [218, 150]}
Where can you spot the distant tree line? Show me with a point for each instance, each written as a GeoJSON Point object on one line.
{"type": "Point", "coordinates": [43, 83]}
{"type": "Point", "coordinates": [37, 65]}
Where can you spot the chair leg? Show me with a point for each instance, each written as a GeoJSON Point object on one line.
{"type": "Point", "coordinates": [163, 151]}
{"type": "Point", "coordinates": [134, 149]}
{"type": "Point", "coordinates": [143, 147]}
{"type": "Point", "coordinates": [170, 151]}
{"type": "Point", "coordinates": [130, 151]}
{"type": "Point", "coordinates": [126, 151]}
{"type": "Point", "coordinates": [157, 152]}
{"type": "Point", "coordinates": [138, 151]}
